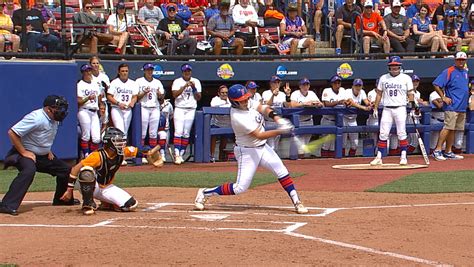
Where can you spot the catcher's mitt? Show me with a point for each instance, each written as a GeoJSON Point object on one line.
{"type": "Point", "coordinates": [154, 157]}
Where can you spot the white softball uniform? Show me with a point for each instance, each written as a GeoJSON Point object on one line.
{"type": "Point", "coordinates": [437, 117]}
{"type": "Point", "coordinates": [278, 101]}
{"type": "Point", "coordinates": [371, 121]}
{"type": "Point", "coordinates": [221, 121]}
{"type": "Point", "coordinates": [251, 152]}
{"type": "Point", "coordinates": [305, 120]}
{"type": "Point", "coordinates": [123, 93]}
{"type": "Point", "coordinates": [87, 115]}
{"type": "Point", "coordinates": [166, 113]}
{"type": "Point", "coordinates": [331, 96]}
{"type": "Point", "coordinates": [185, 109]}
{"type": "Point", "coordinates": [412, 136]}
{"type": "Point", "coordinates": [256, 98]}
{"type": "Point", "coordinates": [395, 91]}
{"type": "Point", "coordinates": [111, 194]}
{"type": "Point", "coordinates": [149, 105]}
{"type": "Point", "coordinates": [351, 119]}
{"type": "Point", "coordinates": [102, 77]}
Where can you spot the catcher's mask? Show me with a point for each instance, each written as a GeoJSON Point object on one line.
{"type": "Point", "coordinates": [237, 93]}
{"type": "Point", "coordinates": [114, 139]}
{"type": "Point", "coordinates": [58, 106]}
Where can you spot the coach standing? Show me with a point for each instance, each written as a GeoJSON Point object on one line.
{"type": "Point", "coordinates": [454, 80]}
{"type": "Point", "coordinates": [32, 138]}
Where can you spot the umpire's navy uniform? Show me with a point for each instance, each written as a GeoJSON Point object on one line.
{"type": "Point", "coordinates": [37, 132]}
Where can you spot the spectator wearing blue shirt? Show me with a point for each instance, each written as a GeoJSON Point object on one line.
{"type": "Point", "coordinates": [468, 31]}
{"type": "Point", "coordinates": [32, 138]}
{"type": "Point", "coordinates": [449, 30]}
{"type": "Point", "coordinates": [414, 9]}
{"type": "Point", "coordinates": [423, 31]}
{"type": "Point", "coordinates": [212, 10]}
{"type": "Point", "coordinates": [452, 86]}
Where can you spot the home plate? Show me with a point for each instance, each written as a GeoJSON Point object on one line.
{"type": "Point", "coordinates": [389, 166]}
{"type": "Point", "coordinates": [211, 217]}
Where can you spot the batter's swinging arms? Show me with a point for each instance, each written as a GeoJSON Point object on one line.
{"type": "Point", "coordinates": [251, 148]}
{"type": "Point", "coordinates": [394, 87]}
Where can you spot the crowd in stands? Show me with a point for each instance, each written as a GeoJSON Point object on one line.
{"type": "Point", "coordinates": [108, 102]}
{"type": "Point", "coordinates": [295, 26]}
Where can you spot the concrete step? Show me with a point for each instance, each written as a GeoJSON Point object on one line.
{"type": "Point", "coordinates": [323, 44]}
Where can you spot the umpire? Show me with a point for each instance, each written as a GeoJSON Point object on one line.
{"type": "Point", "coordinates": [454, 80]}
{"type": "Point", "coordinates": [32, 138]}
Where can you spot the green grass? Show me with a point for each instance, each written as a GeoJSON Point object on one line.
{"type": "Point", "coordinates": [430, 182]}
{"type": "Point", "coordinates": [45, 182]}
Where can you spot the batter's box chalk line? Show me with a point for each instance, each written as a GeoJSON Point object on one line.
{"type": "Point", "coordinates": [236, 209]}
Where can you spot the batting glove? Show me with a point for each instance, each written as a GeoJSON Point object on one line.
{"type": "Point", "coordinates": [375, 113]}
{"type": "Point", "coordinates": [285, 125]}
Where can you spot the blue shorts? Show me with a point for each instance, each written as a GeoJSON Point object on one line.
{"type": "Point", "coordinates": [227, 43]}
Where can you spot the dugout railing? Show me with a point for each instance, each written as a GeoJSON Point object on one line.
{"type": "Point", "coordinates": [204, 131]}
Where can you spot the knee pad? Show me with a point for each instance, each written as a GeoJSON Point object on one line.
{"type": "Point", "coordinates": [130, 205]}
{"type": "Point", "coordinates": [86, 174]}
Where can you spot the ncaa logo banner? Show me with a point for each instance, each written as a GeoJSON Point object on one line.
{"type": "Point", "coordinates": [158, 72]}
{"type": "Point", "coordinates": [282, 72]}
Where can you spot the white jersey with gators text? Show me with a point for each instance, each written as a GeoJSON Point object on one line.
{"type": "Point", "coordinates": [123, 91]}
{"type": "Point", "coordinates": [349, 94]}
{"type": "Point", "coordinates": [330, 96]}
{"type": "Point", "coordinates": [186, 98]}
{"type": "Point", "coordinates": [244, 122]}
{"type": "Point", "coordinates": [395, 89]}
{"type": "Point", "coordinates": [85, 89]}
{"type": "Point", "coordinates": [150, 99]}
{"type": "Point", "coordinates": [102, 77]}
{"type": "Point", "coordinates": [298, 97]}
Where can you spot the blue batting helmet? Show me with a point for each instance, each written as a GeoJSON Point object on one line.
{"type": "Point", "coordinates": [238, 92]}
{"type": "Point", "coordinates": [394, 61]}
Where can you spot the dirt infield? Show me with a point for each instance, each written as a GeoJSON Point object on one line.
{"type": "Point", "coordinates": [345, 226]}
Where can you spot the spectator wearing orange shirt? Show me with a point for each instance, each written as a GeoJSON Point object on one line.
{"type": "Point", "coordinates": [372, 22]}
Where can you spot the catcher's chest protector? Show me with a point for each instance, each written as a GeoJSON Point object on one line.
{"type": "Point", "coordinates": [108, 167]}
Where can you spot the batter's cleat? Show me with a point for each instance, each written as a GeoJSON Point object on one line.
{"type": "Point", "coordinates": [124, 163]}
{"type": "Point", "coordinates": [451, 155]}
{"type": "Point", "coordinates": [376, 161]}
{"type": "Point", "coordinates": [144, 161]}
{"type": "Point", "coordinates": [300, 208]}
{"type": "Point", "coordinates": [403, 161]}
{"type": "Point", "coordinates": [438, 155]}
{"type": "Point", "coordinates": [200, 200]}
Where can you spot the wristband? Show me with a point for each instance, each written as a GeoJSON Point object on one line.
{"type": "Point", "coordinates": [194, 90]}
{"type": "Point", "coordinates": [70, 185]}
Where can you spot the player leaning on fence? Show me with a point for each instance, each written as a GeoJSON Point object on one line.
{"type": "Point", "coordinates": [452, 86]}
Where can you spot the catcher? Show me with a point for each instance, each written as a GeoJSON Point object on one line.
{"type": "Point", "coordinates": [97, 172]}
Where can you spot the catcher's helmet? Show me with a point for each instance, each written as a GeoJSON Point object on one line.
{"type": "Point", "coordinates": [238, 92]}
{"type": "Point", "coordinates": [114, 139]}
{"type": "Point", "coordinates": [59, 105]}
{"type": "Point", "coordinates": [394, 61]}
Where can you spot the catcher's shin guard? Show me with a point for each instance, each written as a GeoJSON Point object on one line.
{"type": "Point", "coordinates": [87, 181]}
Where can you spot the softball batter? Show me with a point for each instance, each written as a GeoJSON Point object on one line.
{"type": "Point", "coordinates": [394, 86]}
{"type": "Point", "coordinates": [186, 91]}
{"type": "Point", "coordinates": [88, 99]}
{"type": "Point", "coordinates": [252, 150]}
{"type": "Point", "coordinates": [149, 89]}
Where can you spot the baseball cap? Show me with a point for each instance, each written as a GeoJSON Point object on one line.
{"type": "Point", "coordinates": [252, 85]}
{"type": "Point", "coordinates": [304, 81]}
{"type": "Point", "coordinates": [415, 78]}
{"type": "Point", "coordinates": [238, 92]}
{"type": "Point", "coordinates": [450, 13]}
{"type": "Point", "coordinates": [461, 55]}
{"type": "Point", "coordinates": [394, 61]}
{"type": "Point", "coordinates": [368, 3]}
{"type": "Point", "coordinates": [186, 67]}
{"type": "Point", "coordinates": [120, 5]}
{"type": "Point", "coordinates": [148, 66]}
{"type": "Point", "coordinates": [357, 82]}
{"type": "Point", "coordinates": [335, 78]}
{"type": "Point", "coordinates": [86, 67]}
{"type": "Point", "coordinates": [171, 6]}
{"type": "Point", "coordinates": [396, 3]}
{"type": "Point", "coordinates": [292, 7]}
{"type": "Point", "coordinates": [275, 79]}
